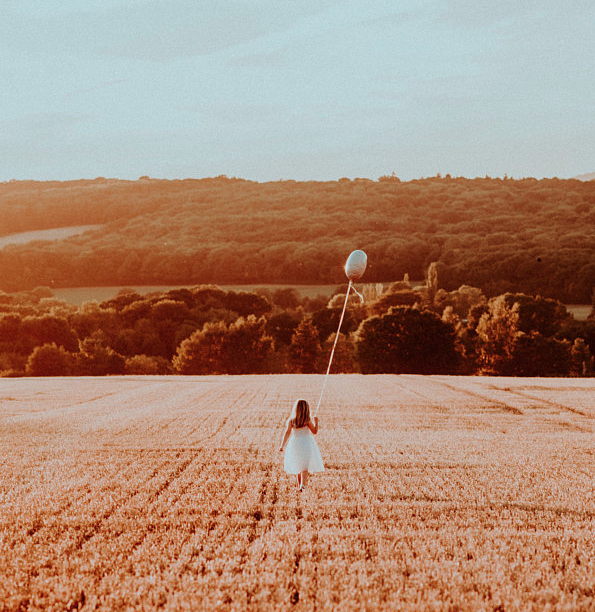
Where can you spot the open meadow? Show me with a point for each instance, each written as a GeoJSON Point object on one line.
{"type": "Point", "coordinates": [440, 493]}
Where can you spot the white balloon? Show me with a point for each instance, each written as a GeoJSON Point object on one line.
{"type": "Point", "coordinates": [356, 265]}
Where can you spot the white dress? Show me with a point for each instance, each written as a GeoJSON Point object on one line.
{"type": "Point", "coordinates": [301, 452]}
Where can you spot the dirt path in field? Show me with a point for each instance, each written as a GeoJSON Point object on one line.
{"type": "Point", "coordinates": [169, 493]}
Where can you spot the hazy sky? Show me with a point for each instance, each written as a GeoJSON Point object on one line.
{"type": "Point", "coordinates": [307, 89]}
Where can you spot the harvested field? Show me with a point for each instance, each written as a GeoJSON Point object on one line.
{"type": "Point", "coordinates": [441, 493]}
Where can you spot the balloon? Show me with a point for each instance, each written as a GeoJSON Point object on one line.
{"type": "Point", "coordinates": [356, 265]}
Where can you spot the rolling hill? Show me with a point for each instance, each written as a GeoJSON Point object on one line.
{"type": "Point", "coordinates": [497, 234]}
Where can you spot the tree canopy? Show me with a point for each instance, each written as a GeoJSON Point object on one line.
{"type": "Point", "coordinates": [195, 331]}
{"type": "Point", "coordinates": [499, 235]}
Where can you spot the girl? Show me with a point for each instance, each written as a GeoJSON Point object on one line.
{"type": "Point", "coordinates": [302, 456]}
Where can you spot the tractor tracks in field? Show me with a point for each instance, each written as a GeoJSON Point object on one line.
{"type": "Point", "coordinates": [251, 522]}
{"type": "Point", "coordinates": [100, 525]}
{"type": "Point", "coordinates": [539, 402]}
{"type": "Point", "coordinates": [497, 404]}
{"type": "Point", "coordinates": [95, 528]}
{"type": "Point", "coordinates": [546, 402]}
{"type": "Point", "coordinates": [260, 520]}
{"type": "Point", "coordinates": [149, 526]}
{"type": "Point", "coordinates": [242, 401]}
{"type": "Point", "coordinates": [39, 522]}
{"type": "Point", "coordinates": [205, 542]}
{"type": "Point", "coordinates": [531, 404]}
{"type": "Point", "coordinates": [261, 514]}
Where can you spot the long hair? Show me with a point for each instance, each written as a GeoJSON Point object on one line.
{"type": "Point", "coordinates": [300, 414]}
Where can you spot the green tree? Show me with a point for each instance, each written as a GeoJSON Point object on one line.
{"type": "Point", "coordinates": [326, 320]}
{"type": "Point", "coordinates": [47, 329]}
{"type": "Point", "coordinates": [202, 352]}
{"type": "Point", "coordinates": [10, 332]}
{"type": "Point", "coordinates": [465, 341]}
{"type": "Point", "coordinates": [287, 298]}
{"type": "Point", "coordinates": [534, 355]}
{"type": "Point", "coordinates": [246, 304]}
{"type": "Point", "coordinates": [147, 365]}
{"type": "Point", "coordinates": [240, 348]}
{"type": "Point", "coordinates": [399, 297]}
{"type": "Point", "coordinates": [581, 360]}
{"type": "Point", "coordinates": [497, 331]}
{"type": "Point", "coordinates": [538, 314]}
{"type": "Point", "coordinates": [96, 359]}
{"type": "Point", "coordinates": [124, 298]}
{"type": "Point", "coordinates": [247, 346]}
{"type": "Point", "coordinates": [432, 281]}
{"type": "Point", "coordinates": [461, 300]}
{"type": "Point", "coordinates": [406, 341]}
{"type": "Point", "coordinates": [50, 360]}
{"type": "Point", "coordinates": [344, 360]}
{"type": "Point", "coordinates": [281, 327]}
{"type": "Point", "coordinates": [304, 350]}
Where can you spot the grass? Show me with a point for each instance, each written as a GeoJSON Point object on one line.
{"type": "Point", "coordinates": [50, 234]}
{"type": "Point", "coordinates": [440, 493]}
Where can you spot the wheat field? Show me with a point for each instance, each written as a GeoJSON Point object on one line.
{"type": "Point", "coordinates": [168, 493]}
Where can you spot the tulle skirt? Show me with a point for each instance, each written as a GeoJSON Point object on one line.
{"type": "Point", "coordinates": [301, 453]}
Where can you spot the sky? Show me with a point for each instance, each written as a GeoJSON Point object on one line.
{"type": "Point", "coordinates": [310, 90]}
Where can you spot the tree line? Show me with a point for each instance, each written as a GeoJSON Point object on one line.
{"type": "Point", "coordinates": [501, 235]}
{"type": "Point", "coordinates": [205, 330]}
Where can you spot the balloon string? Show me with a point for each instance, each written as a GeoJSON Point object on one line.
{"type": "Point", "coordinates": [334, 345]}
{"type": "Point", "coordinates": [361, 297]}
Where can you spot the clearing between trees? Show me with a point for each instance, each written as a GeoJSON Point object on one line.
{"type": "Point", "coordinates": [440, 493]}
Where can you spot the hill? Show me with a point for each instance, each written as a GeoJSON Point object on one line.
{"type": "Point", "coordinates": [169, 494]}
{"type": "Point", "coordinates": [497, 234]}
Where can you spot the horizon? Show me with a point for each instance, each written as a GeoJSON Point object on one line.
{"type": "Point", "coordinates": [316, 91]}
{"type": "Point", "coordinates": [585, 177]}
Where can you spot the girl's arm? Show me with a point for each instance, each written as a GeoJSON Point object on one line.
{"type": "Point", "coordinates": [285, 437]}
{"type": "Point", "coordinates": [313, 425]}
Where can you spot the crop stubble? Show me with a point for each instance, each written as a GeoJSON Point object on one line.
{"type": "Point", "coordinates": [440, 493]}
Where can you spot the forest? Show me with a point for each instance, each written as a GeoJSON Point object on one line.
{"type": "Point", "coordinates": [500, 235]}
{"type": "Point", "coordinates": [206, 330]}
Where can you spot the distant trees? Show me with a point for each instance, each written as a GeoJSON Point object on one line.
{"type": "Point", "coordinates": [147, 365]}
{"type": "Point", "coordinates": [461, 300]}
{"type": "Point", "coordinates": [581, 359]}
{"type": "Point", "coordinates": [497, 331]}
{"type": "Point", "coordinates": [282, 326]}
{"type": "Point", "coordinates": [193, 331]}
{"type": "Point", "coordinates": [203, 351]}
{"type": "Point", "coordinates": [399, 297]}
{"type": "Point", "coordinates": [50, 360]}
{"type": "Point", "coordinates": [240, 348]}
{"type": "Point", "coordinates": [535, 355]}
{"type": "Point", "coordinates": [537, 314]}
{"type": "Point", "coordinates": [22, 334]}
{"type": "Point", "coordinates": [524, 235]}
{"type": "Point", "coordinates": [344, 359]}
{"type": "Point", "coordinates": [128, 334]}
{"type": "Point", "coordinates": [96, 359]}
{"type": "Point", "coordinates": [406, 341]}
{"type": "Point", "coordinates": [515, 337]}
{"type": "Point", "coordinates": [326, 321]}
{"type": "Point", "coordinates": [305, 348]}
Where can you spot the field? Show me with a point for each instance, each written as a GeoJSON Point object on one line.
{"type": "Point", "coordinates": [440, 493]}
{"type": "Point", "coordinates": [58, 233]}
